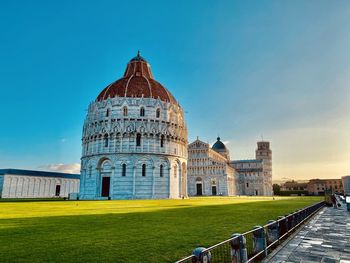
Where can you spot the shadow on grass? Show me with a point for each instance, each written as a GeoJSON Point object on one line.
{"type": "Point", "coordinates": [157, 236]}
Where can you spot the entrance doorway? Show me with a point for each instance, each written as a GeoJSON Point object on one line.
{"type": "Point", "coordinates": [213, 190]}
{"type": "Point", "coordinates": [199, 189]}
{"type": "Point", "coordinates": [58, 190]}
{"type": "Point", "coordinates": [105, 186]}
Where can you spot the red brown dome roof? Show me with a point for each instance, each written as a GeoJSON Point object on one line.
{"type": "Point", "coordinates": [137, 82]}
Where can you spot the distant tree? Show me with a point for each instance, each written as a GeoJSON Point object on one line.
{"type": "Point", "coordinates": [276, 189]}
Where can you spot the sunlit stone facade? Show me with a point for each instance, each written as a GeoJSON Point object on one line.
{"type": "Point", "coordinates": [211, 172]}
{"type": "Point", "coordinates": [208, 171]}
{"type": "Point", "coordinates": [134, 140]}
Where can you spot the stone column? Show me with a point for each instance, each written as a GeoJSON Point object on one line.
{"type": "Point", "coordinates": [134, 182]}
{"type": "Point", "coordinates": [153, 181]}
{"type": "Point", "coordinates": [111, 187]}
{"type": "Point", "coordinates": [169, 180]}
{"type": "Point", "coordinates": [98, 182]}
{"type": "Point", "coordinates": [82, 181]}
{"type": "Point", "coordinates": [135, 147]}
{"type": "Point", "coordinates": [148, 140]}
{"type": "Point", "coordinates": [121, 143]}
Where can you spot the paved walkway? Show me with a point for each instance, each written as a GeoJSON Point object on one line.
{"type": "Point", "coordinates": [326, 238]}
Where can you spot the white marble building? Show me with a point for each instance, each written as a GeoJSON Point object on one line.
{"type": "Point", "coordinates": [15, 183]}
{"type": "Point", "coordinates": [134, 140]}
{"type": "Point", "coordinates": [208, 171]}
{"type": "Point", "coordinates": [211, 172]}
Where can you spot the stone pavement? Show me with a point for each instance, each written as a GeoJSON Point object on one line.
{"type": "Point", "coordinates": [325, 238]}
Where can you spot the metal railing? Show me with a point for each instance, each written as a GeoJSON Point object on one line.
{"type": "Point", "coordinates": [256, 244]}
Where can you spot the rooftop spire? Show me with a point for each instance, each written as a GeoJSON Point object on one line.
{"type": "Point", "coordinates": [138, 57]}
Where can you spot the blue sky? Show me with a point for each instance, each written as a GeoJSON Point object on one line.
{"type": "Point", "coordinates": [240, 69]}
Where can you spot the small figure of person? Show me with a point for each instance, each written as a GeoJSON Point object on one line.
{"type": "Point", "coordinates": [334, 201]}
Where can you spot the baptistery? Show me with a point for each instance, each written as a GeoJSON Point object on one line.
{"type": "Point", "coordinates": [134, 142]}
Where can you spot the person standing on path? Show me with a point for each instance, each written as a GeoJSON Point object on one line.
{"type": "Point", "coordinates": [334, 201]}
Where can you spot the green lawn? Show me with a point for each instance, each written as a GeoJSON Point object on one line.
{"type": "Point", "coordinates": [129, 231]}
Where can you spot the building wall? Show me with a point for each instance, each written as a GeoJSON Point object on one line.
{"type": "Point", "coordinates": [20, 186]}
{"type": "Point", "coordinates": [319, 186]}
{"type": "Point", "coordinates": [110, 141]}
{"type": "Point", "coordinates": [294, 186]}
{"type": "Point", "coordinates": [252, 178]}
{"type": "Point", "coordinates": [209, 169]}
{"type": "Point", "coordinates": [346, 184]}
{"type": "Point", "coordinates": [207, 182]}
{"type": "Point", "coordinates": [171, 183]}
{"type": "Point", "coordinates": [1, 184]}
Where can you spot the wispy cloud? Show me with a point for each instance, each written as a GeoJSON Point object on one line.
{"type": "Point", "coordinates": [63, 140]}
{"type": "Point", "coordinates": [73, 168]}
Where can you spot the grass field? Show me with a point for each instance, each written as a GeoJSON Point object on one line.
{"type": "Point", "coordinates": [129, 231]}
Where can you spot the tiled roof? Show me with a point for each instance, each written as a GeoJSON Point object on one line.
{"type": "Point", "coordinates": [38, 173]}
{"type": "Point", "coordinates": [248, 170]}
{"type": "Point", "coordinates": [137, 82]}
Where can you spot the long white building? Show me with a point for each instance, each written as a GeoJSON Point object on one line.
{"type": "Point", "coordinates": [134, 140]}
{"type": "Point", "coordinates": [16, 183]}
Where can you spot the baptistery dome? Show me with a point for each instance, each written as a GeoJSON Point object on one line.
{"type": "Point", "coordinates": [134, 140]}
{"type": "Point", "coordinates": [137, 82]}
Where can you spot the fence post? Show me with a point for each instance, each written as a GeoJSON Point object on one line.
{"type": "Point", "coordinates": [281, 226]}
{"type": "Point", "coordinates": [259, 241]}
{"type": "Point", "coordinates": [201, 256]}
{"type": "Point", "coordinates": [290, 221]}
{"type": "Point", "coordinates": [298, 217]}
{"type": "Point", "coordinates": [239, 252]}
{"type": "Point", "coordinates": [272, 231]}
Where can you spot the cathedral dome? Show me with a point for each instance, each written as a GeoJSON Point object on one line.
{"type": "Point", "coordinates": [137, 82]}
{"type": "Point", "coordinates": [219, 145]}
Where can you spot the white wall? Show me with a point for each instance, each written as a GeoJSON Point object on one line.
{"type": "Point", "coordinates": [21, 186]}
{"type": "Point", "coordinates": [1, 183]}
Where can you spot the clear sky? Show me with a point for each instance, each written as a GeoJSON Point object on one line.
{"type": "Point", "coordinates": [240, 69]}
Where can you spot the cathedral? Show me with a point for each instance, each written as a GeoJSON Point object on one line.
{"type": "Point", "coordinates": [135, 146]}
{"type": "Point", "coordinates": [211, 172]}
{"type": "Point", "coordinates": [134, 140]}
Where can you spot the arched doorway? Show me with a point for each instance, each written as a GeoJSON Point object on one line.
{"type": "Point", "coordinates": [199, 186]}
{"type": "Point", "coordinates": [213, 187]}
{"type": "Point", "coordinates": [106, 171]}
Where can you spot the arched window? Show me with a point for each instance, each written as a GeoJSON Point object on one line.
{"type": "Point", "coordinates": [144, 170]}
{"type": "Point", "coordinates": [106, 140]}
{"type": "Point", "coordinates": [125, 111]}
{"type": "Point", "coordinates": [161, 170]}
{"type": "Point", "coordinates": [138, 139]}
{"type": "Point", "coordinates": [162, 141]}
{"type": "Point", "coordinates": [124, 169]}
{"type": "Point", "coordinates": [142, 111]}
{"type": "Point", "coordinates": [107, 113]}
{"type": "Point", "coordinates": [158, 113]}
